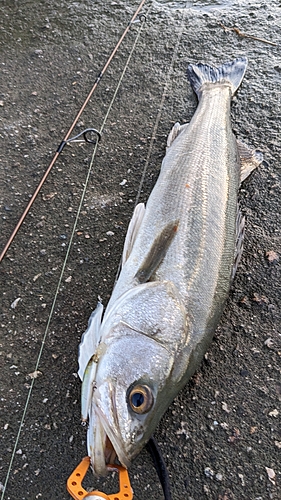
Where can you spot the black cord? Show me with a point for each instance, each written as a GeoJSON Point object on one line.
{"type": "Point", "coordinates": [160, 466]}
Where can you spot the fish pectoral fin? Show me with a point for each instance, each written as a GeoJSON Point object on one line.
{"type": "Point", "coordinates": [133, 230]}
{"type": "Point", "coordinates": [250, 159]}
{"type": "Point", "coordinates": [175, 131]}
{"type": "Point", "coordinates": [240, 230]}
{"type": "Point", "coordinates": [90, 340]}
{"type": "Point", "coordinates": [157, 252]}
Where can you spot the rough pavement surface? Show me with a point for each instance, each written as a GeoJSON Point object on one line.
{"type": "Point", "coordinates": [221, 436]}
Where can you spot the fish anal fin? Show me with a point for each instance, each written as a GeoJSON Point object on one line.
{"type": "Point", "coordinates": [132, 232]}
{"type": "Point", "coordinates": [157, 252]}
{"type": "Point", "coordinates": [249, 159]}
{"type": "Point", "coordinates": [175, 131]}
{"type": "Point", "coordinates": [240, 230]}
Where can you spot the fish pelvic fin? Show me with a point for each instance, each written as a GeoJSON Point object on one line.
{"type": "Point", "coordinates": [231, 72]}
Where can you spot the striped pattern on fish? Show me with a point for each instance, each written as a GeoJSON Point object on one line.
{"type": "Point", "coordinates": [177, 266]}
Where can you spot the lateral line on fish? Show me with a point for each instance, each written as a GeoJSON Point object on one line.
{"type": "Point", "coordinates": [204, 216]}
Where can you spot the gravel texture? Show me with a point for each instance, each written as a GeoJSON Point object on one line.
{"type": "Point", "coordinates": [221, 436]}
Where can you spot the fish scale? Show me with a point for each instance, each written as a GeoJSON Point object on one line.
{"type": "Point", "coordinates": [177, 266]}
{"type": "Point", "coordinates": [201, 217]}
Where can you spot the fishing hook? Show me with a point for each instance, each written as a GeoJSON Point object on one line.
{"type": "Point", "coordinates": [87, 136]}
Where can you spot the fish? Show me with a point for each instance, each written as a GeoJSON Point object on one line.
{"type": "Point", "coordinates": [180, 255]}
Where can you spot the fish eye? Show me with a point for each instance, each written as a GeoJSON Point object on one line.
{"type": "Point", "coordinates": [140, 398]}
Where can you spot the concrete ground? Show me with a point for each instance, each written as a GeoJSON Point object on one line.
{"type": "Point", "coordinates": [221, 436]}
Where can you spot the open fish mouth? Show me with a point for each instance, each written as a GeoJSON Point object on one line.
{"type": "Point", "coordinates": [109, 452]}
{"type": "Point", "coordinates": [103, 446]}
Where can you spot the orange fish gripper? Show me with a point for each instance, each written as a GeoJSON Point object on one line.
{"type": "Point", "coordinates": [76, 490]}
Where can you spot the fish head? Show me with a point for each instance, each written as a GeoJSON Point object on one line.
{"type": "Point", "coordinates": [125, 406]}
{"type": "Point", "coordinates": [133, 381]}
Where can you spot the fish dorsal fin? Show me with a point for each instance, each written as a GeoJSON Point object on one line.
{"type": "Point", "coordinates": [240, 230]}
{"type": "Point", "coordinates": [250, 159]}
{"type": "Point", "coordinates": [90, 340]}
{"type": "Point", "coordinates": [154, 309]}
{"type": "Point", "coordinates": [132, 232]}
{"type": "Point", "coordinates": [175, 132]}
{"type": "Point", "coordinates": [157, 252]}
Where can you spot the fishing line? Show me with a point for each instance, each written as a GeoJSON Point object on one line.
{"type": "Point", "coordinates": [66, 257]}
{"type": "Point", "coordinates": [153, 137]}
{"type": "Point", "coordinates": [155, 128]}
{"type": "Point", "coordinates": [164, 95]}
{"type": "Point", "coordinates": [64, 141]}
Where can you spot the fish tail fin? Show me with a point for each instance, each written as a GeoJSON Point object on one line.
{"type": "Point", "coordinates": [231, 72]}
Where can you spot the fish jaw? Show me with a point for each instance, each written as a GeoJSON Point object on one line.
{"type": "Point", "coordinates": [96, 443]}
{"type": "Point", "coordinates": [105, 440]}
{"type": "Point", "coordinates": [101, 449]}
{"type": "Point", "coordinates": [131, 360]}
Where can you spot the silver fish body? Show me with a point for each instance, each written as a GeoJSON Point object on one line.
{"type": "Point", "coordinates": [177, 267]}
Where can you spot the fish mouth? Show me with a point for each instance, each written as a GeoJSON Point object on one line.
{"type": "Point", "coordinates": [109, 451]}
{"type": "Point", "coordinates": [103, 445]}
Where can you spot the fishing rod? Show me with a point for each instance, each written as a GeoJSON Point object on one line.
{"type": "Point", "coordinates": [67, 136]}
{"type": "Point", "coordinates": [87, 137]}
{"type": "Point", "coordinates": [74, 485]}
